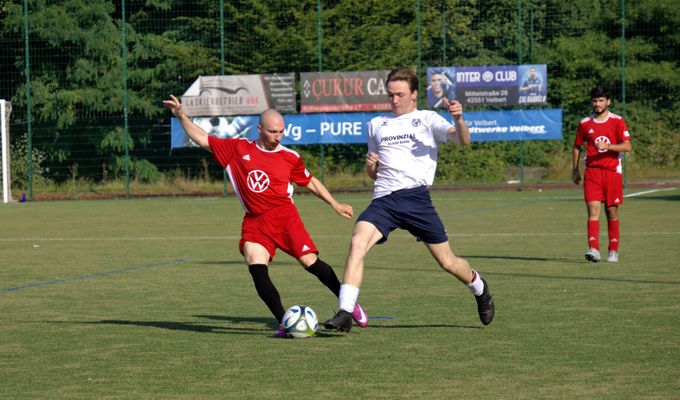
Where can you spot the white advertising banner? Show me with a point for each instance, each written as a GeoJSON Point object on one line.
{"type": "Point", "coordinates": [223, 95]}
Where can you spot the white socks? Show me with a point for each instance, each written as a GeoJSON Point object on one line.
{"type": "Point", "coordinates": [476, 287]}
{"type": "Point", "coordinates": [348, 297]}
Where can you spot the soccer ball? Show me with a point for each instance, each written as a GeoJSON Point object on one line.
{"type": "Point", "coordinates": [225, 127]}
{"type": "Point", "coordinates": [300, 322]}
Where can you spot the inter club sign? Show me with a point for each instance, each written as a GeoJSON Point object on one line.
{"type": "Point", "coordinates": [494, 85]}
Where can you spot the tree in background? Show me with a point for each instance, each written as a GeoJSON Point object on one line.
{"type": "Point", "coordinates": [77, 81]}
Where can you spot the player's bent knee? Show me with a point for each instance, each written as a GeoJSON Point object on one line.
{"type": "Point", "coordinates": [358, 245]}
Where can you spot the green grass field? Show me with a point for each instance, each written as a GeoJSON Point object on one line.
{"type": "Point", "coordinates": [150, 299]}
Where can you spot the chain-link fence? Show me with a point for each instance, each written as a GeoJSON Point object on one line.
{"type": "Point", "coordinates": [86, 79]}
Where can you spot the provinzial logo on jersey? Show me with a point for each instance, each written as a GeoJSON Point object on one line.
{"type": "Point", "coordinates": [258, 181]}
{"type": "Point", "coordinates": [397, 137]}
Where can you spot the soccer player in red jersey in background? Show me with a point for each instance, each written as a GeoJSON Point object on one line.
{"type": "Point", "coordinates": [262, 173]}
{"type": "Point", "coordinates": [606, 137]}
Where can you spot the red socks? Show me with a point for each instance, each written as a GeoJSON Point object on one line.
{"type": "Point", "coordinates": [613, 232]}
{"type": "Point", "coordinates": [593, 234]}
{"type": "Point", "coordinates": [614, 235]}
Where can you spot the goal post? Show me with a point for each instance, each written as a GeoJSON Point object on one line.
{"type": "Point", "coordinates": [5, 110]}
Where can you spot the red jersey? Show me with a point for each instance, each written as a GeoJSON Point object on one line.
{"type": "Point", "coordinates": [613, 130]}
{"type": "Point", "coordinates": [262, 179]}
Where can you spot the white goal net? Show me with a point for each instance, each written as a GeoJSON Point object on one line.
{"type": "Point", "coordinates": [5, 109]}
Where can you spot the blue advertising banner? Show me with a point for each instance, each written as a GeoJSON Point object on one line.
{"type": "Point", "coordinates": [350, 128]}
{"type": "Point", "coordinates": [493, 126]}
{"type": "Point", "coordinates": [495, 85]}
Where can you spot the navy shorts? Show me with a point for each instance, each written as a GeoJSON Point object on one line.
{"type": "Point", "coordinates": [409, 209]}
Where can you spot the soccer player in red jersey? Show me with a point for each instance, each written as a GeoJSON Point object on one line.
{"type": "Point", "coordinates": [262, 173]}
{"type": "Point", "coordinates": [605, 137]}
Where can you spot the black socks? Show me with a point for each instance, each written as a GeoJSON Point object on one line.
{"type": "Point", "coordinates": [266, 290]}
{"type": "Point", "coordinates": [326, 275]}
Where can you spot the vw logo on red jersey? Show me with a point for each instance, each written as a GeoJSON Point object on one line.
{"type": "Point", "coordinates": [258, 181]}
{"type": "Point", "coordinates": [602, 139]}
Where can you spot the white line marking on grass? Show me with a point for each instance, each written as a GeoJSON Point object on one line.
{"type": "Point", "coordinates": [400, 235]}
{"type": "Point", "coordinates": [96, 275]}
{"type": "Point", "coordinates": [524, 234]}
{"type": "Point", "coordinates": [119, 239]}
{"type": "Point", "coordinates": [648, 192]}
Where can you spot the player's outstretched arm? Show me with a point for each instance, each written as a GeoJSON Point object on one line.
{"type": "Point", "coordinates": [315, 186]}
{"type": "Point", "coordinates": [193, 131]}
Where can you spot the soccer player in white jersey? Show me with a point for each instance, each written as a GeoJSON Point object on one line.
{"type": "Point", "coordinates": [262, 173]}
{"type": "Point", "coordinates": [402, 158]}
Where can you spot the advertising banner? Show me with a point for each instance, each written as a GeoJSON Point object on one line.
{"type": "Point", "coordinates": [239, 94]}
{"type": "Point", "coordinates": [343, 91]}
{"type": "Point", "coordinates": [350, 128]}
{"type": "Point", "coordinates": [499, 85]}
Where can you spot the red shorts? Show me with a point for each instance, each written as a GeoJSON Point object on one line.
{"type": "Point", "coordinates": [605, 185]}
{"type": "Point", "coordinates": [281, 227]}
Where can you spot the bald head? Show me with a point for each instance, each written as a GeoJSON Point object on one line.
{"type": "Point", "coordinates": [271, 129]}
{"type": "Point", "coordinates": [269, 115]}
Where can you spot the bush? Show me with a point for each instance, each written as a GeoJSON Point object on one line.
{"type": "Point", "coordinates": [475, 163]}
{"type": "Point", "coordinates": [19, 164]}
{"type": "Point", "coordinates": [143, 171]}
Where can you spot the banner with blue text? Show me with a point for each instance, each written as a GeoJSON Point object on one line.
{"type": "Point", "coordinates": [492, 85]}
{"type": "Point", "coordinates": [350, 128]}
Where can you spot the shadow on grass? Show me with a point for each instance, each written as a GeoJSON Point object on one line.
{"type": "Point", "coordinates": [421, 326]}
{"type": "Point", "coordinates": [202, 328]}
{"type": "Point", "coordinates": [354, 329]}
{"type": "Point", "coordinates": [557, 259]}
{"type": "Point", "coordinates": [189, 327]}
{"type": "Point", "coordinates": [268, 331]}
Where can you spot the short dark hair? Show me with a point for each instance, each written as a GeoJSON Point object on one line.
{"type": "Point", "coordinates": [598, 92]}
{"type": "Point", "coordinates": [404, 74]}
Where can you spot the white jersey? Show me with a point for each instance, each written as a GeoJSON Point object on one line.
{"type": "Point", "coordinates": [407, 149]}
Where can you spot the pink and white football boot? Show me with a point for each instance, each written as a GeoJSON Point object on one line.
{"type": "Point", "coordinates": [281, 332]}
{"type": "Point", "coordinates": [359, 316]}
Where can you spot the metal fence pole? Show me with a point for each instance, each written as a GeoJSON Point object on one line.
{"type": "Point", "coordinates": [623, 80]}
{"type": "Point", "coordinates": [419, 45]}
{"type": "Point", "coordinates": [319, 55]}
{"type": "Point", "coordinates": [445, 25]}
{"type": "Point", "coordinates": [125, 99]}
{"type": "Point", "coordinates": [224, 171]}
{"type": "Point", "coordinates": [519, 61]}
{"type": "Point", "coordinates": [29, 132]}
